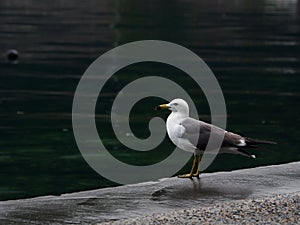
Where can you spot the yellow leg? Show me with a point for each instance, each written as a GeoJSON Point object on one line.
{"type": "Point", "coordinates": [199, 157]}
{"type": "Point", "coordinates": [190, 175]}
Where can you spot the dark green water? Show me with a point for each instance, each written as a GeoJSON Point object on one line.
{"type": "Point", "coordinates": [252, 46]}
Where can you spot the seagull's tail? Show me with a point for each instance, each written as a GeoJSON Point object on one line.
{"type": "Point", "coordinates": [251, 141]}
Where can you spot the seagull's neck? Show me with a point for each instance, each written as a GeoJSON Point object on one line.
{"type": "Point", "coordinates": [177, 115]}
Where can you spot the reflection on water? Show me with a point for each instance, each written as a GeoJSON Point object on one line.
{"type": "Point", "coordinates": [252, 47]}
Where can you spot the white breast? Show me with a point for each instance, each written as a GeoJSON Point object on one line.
{"type": "Point", "coordinates": [176, 133]}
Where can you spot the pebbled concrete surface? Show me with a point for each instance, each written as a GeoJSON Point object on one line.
{"type": "Point", "coordinates": [149, 198]}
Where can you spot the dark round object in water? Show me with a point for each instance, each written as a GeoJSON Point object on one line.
{"type": "Point", "coordinates": [12, 55]}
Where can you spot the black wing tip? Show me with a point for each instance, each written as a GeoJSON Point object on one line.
{"type": "Point", "coordinates": [245, 153]}
{"type": "Point", "coordinates": [257, 141]}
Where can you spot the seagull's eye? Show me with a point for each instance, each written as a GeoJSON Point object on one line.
{"type": "Point", "coordinates": [175, 104]}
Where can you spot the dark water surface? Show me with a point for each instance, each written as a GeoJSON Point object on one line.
{"type": "Point", "coordinates": [252, 46]}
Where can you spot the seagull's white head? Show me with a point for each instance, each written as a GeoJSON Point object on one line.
{"type": "Point", "coordinates": [177, 106]}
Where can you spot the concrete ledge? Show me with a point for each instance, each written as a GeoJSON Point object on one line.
{"type": "Point", "coordinates": [149, 198]}
{"type": "Point", "coordinates": [275, 209]}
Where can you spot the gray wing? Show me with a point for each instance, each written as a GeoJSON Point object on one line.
{"type": "Point", "coordinates": [198, 133]}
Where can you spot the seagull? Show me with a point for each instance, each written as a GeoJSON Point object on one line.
{"type": "Point", "coordinates": [192, 135]}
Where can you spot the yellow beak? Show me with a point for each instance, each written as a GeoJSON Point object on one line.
{"type": "Point", "coordinates": [163, 106]}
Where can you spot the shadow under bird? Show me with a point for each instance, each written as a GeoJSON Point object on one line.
{"type": "Point", "coordinates": [192, 135]}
